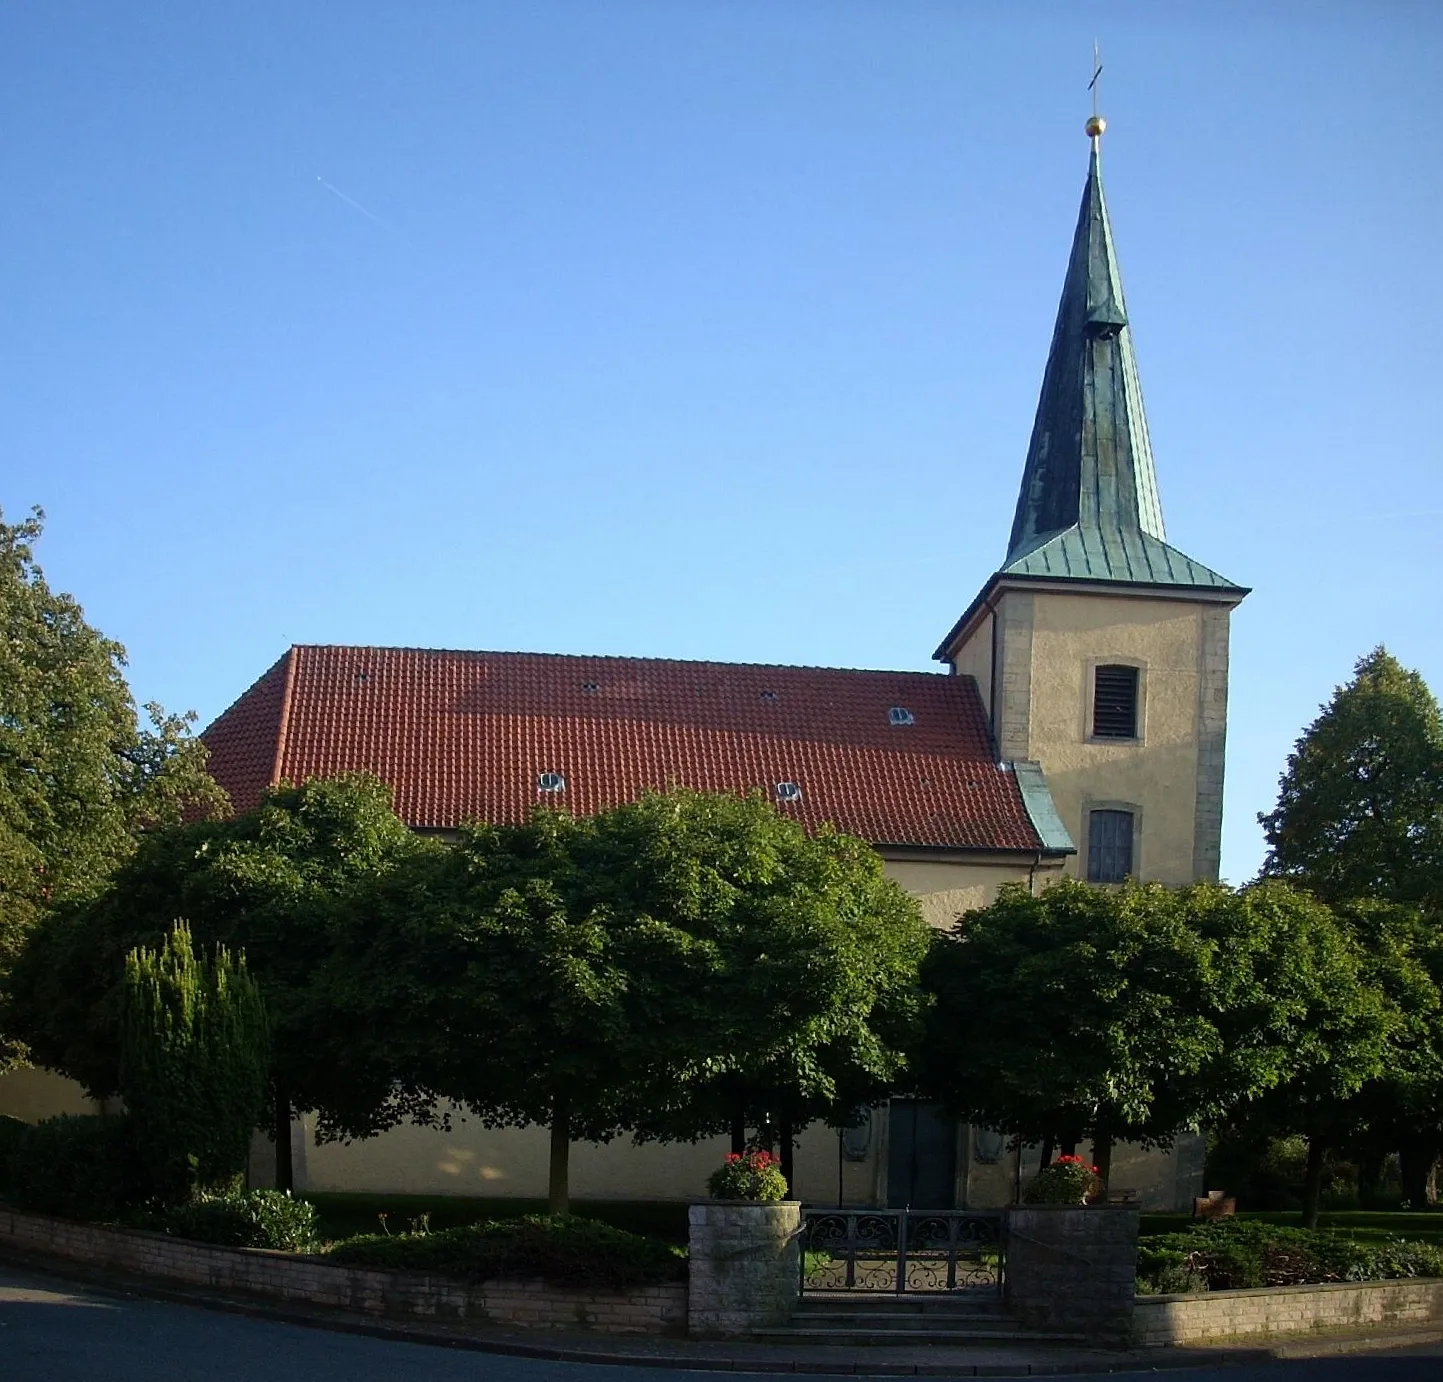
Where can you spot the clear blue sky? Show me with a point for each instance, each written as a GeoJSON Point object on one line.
{"type": "Point", "coordinates": [707, 328]}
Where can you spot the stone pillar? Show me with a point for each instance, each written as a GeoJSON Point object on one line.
{"type": "Point", "coordinates": [745, 1267]}
{"type": "Point", "coordinates": [1073, 1269]}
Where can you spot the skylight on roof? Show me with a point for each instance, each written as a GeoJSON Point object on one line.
{"type": "Point", "coordinates": [788, 791]}
{"type": "Point", "coordinates": [769, 695]}
{"type": "Point", "coordinates": [900, 715]}
{"type": "Point", "coordinates": [550, 782]}
{"type": "Point", "coordinates": [591, 687]}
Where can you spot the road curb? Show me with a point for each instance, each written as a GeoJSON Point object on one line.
{"type": "Point", "coordinates": [872, 1361]}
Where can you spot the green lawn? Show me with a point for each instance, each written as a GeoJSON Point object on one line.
{"type": "Point", "coordinates": [1362, 1224]}
{"type": "Point", "coordinates": [341, 1216]}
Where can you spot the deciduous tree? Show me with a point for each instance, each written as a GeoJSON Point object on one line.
{"type": "Point", "coordinates": [810, 956]}
{"type": "Point", "coordinates": [1139, 1012]}
{"type": "Point", "coordinates": [80, 774]}
{"type": "Point", "coordinates": [1077, 1012]}
{"type": "Point", "coordinates": [1360, 805]}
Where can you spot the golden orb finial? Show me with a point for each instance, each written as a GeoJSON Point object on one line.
{"type": "Point", "coordinates": [1095, 126]}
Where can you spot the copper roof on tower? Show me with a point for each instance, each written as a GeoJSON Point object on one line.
{"type": "Point", "coordinates": [1089, 506]}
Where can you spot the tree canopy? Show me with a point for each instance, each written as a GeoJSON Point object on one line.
{"type": "Point", "coordinates": [808, 958]}
{"type": "Point", "coordinates": [1360, 804]}
{"type": "Point", "coordinates": [1072, 1013]}
{"type": "Point", "coordinates": [80, 774]}
{"type": "Point", "coordinates": [668, 967]}
{"type": "Point", "coordinates": [1142, 1011]}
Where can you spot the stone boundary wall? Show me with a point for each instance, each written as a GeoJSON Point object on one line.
{"type": "Point", "coordinates": [1273, 1311]}
{"type": "Point", "coordinates": [313, 1281]}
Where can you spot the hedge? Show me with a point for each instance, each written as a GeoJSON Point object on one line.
{"type": "Point", "coordinates": [568, 1250]}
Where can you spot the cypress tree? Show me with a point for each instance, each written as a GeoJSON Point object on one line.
{"type": "Point", "coordinates": [195, 1053]}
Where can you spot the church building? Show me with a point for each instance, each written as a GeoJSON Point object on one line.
{"type": "Point", "coordinates": [1078, 730]}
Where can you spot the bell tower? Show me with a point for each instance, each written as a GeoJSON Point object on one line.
{"type": "Point", "coordinates": [1102, 651]}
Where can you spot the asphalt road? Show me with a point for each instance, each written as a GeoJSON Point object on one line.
{"type": "Point", "coordinates": [52, 1332]}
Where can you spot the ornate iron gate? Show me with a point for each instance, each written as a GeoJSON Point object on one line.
{"type": "Point", "coordinates": [903, 1250]}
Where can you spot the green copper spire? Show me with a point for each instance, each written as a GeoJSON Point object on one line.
{"type": "Point", "coordinates": [1089, 505]}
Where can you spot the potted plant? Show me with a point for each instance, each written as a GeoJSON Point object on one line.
{"type": "Point", "coordinates": [754, 1176]}
{"type": "Point", "coordinates": [1069, 1180]}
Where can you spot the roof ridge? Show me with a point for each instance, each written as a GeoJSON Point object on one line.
{"type": "Point", "coordinates": [615, 657]}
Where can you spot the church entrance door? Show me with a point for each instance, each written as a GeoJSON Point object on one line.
{"type": "Point", "coordinates": [921, 1156]}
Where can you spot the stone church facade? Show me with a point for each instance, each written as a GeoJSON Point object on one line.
{"type": "Point", "coordinates": [1079, 730]}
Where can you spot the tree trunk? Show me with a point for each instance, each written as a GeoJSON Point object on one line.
{"type": "Point", "coordinates": [558, 1192]}
{"type": "Point", "coordinates": [1045, 1158]}
{"type": "Point", "coordinates": [1313, 1182]}
{"type": "Point", "coordinates": [281, 1131]}
{"type": "Point", "coordinates": [1370, 1178]}
{"type": "Point", "coordinates": [1102, 1155]}
{"type": "Point", "coordinates": [1415, 1158]}
{"type": "Point", "coordinates": [739, 1132]}
{"type": "Point", "coordinates": [784, 1139]}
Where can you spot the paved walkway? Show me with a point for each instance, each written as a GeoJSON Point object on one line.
{"type": "Point", "coordinates": [996, 1360]}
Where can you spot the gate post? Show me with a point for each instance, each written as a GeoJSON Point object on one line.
{"type": "Point", "coordinates": [1073, 1268]}
{"type": "Point", "coordinates": [745, 1266]}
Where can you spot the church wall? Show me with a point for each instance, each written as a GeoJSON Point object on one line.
{"type": "Point", "coordinates": [33, 1094]}
{"type": "Point", "coordinates": [974, 659]}
{"type": "Point", "coordinates": [946, 889]}
{"type": "Point", "coordinates": [1156, 777]}
{"type": "Point", "coordinates": [513, 1162]}
{"type": "Point", "coordinates": [1160, 1180]}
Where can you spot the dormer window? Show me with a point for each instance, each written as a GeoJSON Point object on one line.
{"type": "Point", "coordinates": [900, 716]}
{"type": "Point", "coordinates": [1114, 702]}
{"type": "Point", "coordinates": [789, 792]}
{"type": "Point", "coordinates": [550, 782]}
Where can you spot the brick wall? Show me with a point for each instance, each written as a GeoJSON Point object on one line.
{"type": "Point", "coordinates": [1073, 1269]}
{"type": "Point", "coordinates": [1225, 1316]}
{"type": "Point", "coordinates": [313, 1281]}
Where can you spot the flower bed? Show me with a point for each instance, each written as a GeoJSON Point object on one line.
{"type": "Point", "coordinates": [1238, 1254]}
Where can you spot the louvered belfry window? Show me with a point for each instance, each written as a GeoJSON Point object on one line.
{"type": "Point", "coordinates": [1109, 846]}
{"type": "Point", "coordinates": [1114, 703]}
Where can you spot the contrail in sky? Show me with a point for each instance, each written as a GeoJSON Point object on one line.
{"type": "Point", "coordinates": [351, 201]}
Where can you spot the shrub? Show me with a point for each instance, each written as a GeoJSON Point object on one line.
{"type": "Point", "coordinates": [565, 1249]}
{"type": "Point", "coordinates": [1069, 1180]}
{"type": "Point", "coordinates": [79, 1166]}
{"type": "Point", "coordinates": [1233, 1254]}
{"type": "Point", "coordinates": [748, 1176]}
{"type": "Point", "coordinates": [11, 1132]}
{"type": "Point", "coordinates": [249, 1219]}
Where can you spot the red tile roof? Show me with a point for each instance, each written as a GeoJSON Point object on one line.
{"type": "Point", "coordinates": [464, 735]}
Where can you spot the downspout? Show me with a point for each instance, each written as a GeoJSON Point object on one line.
{"type": "Point", "coordinates": [1032, 874]}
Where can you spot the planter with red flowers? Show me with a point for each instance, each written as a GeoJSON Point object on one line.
{"type": "Point", "coordinates": [1069, 1180]}
{"type": "Point", "coordinates": [752, 1177]}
